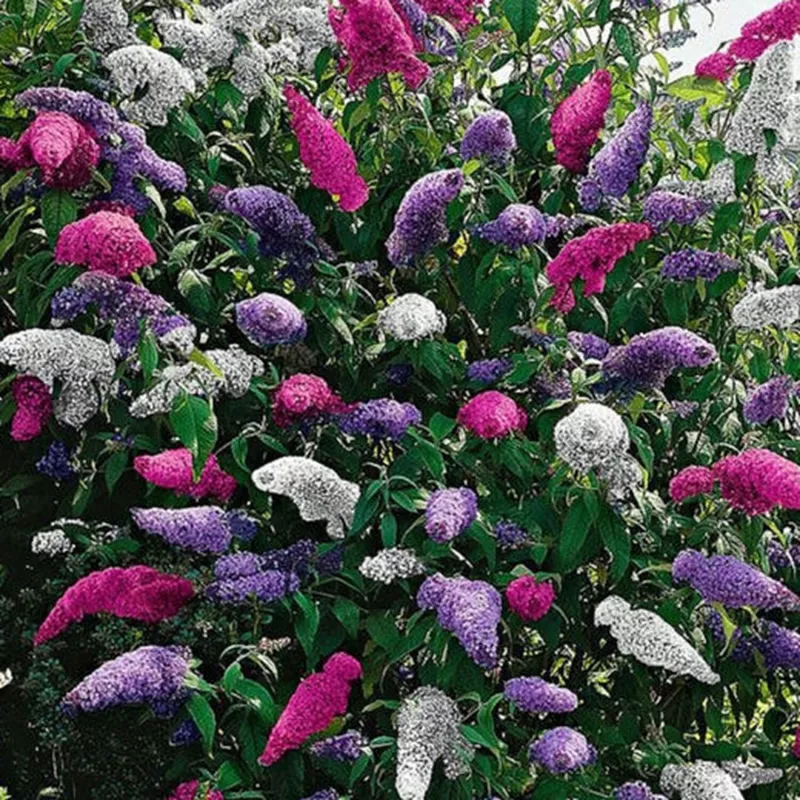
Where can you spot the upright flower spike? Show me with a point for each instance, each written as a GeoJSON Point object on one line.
{"type": "Point", "coordinates": [449, 512]}
{"type": "Point", "coordinates": [491, 137]}
{"type": "Point", "coordinates": [651, 640]}
{"type": "Point", "coordinates": [325, 153]}
{"type": "Point", "coordinates": [578, 120]}
{"type": "Point", "coordinates": [172, 469]}
{"type": "Point", "coordinates": [105, 242]}
{"type": "Point", "coordinates": [770, 401]}
{"type": "Point", "coordinates": [516, 226]}
{"type": "Point", "coordinates": [468, 609]}
{"type": "Point", "coordinates": [421, 220]}
{"type": "Point", "coordinates": [376, 41]}
{"type": "Point", "coordinates": [316, 701]}
{"type": "Point", "coordinates": [718, 66]}
{"type": "Point", "coordinates": [317, 491]}
{"type": "Point", "coordinates": [591, 258]}
{"type": "Point", "coordinates": [139, 593]}
{"type": "Point", "coordinates": [780, 23]}
{"type": "Point", "coordinates": [150, 675]}
{"type": "Point", "coordinates": [616, 166]}
{"type": "Point", "coordinates": [64, 150]}
{"type": "Point", "coordinates": [34, 408]}
{"type": "Point", "coordinates": [428, 729]}
{"type": "Point", "coordinates": [726, 580]}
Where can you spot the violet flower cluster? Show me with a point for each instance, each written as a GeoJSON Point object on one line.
{"type": "Point", "coordinates": [383, 418]}
{"type": "Point", "coordinates": [449, 512]}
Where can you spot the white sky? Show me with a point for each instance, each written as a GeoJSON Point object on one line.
{"type": "Point", "coordinates": [729, 16]}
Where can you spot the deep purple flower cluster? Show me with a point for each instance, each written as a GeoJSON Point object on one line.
{"type": "Point", "coordinates": [489, 370]}
{"type": "Point", "coordinates": [205, 529]}
{"type": "Point", "coordinates": [490, 137]}
{"type": "Point", "coordinates": [380, 419]}
{"type": "Point", "coordinates": [242, 576]}
{"type": "Point", "coordinates": [636, 791]}
{"type": "Point", "coordinates": [770, 401]}
{"type": "Point", "coordinates": [516, 226]}
{"type": "Point", "coordinates": [510, 535]}
{"type": "Point", "coordinates": [269, 319]}
{"type": "Point", "coordinates": [663, 208]}
{"type": "Point", "coordinates": [284, 231]}
{"type": "Point", "coordinates": [399, 374]}
{"type": "Point", "coordinates": [185, 733]}
{"type": "Point", "coordinates": [782, 557]}
{"type": "Point", "coordinates": [124, 144]}
{"type": "Point", "coordinates": [449, 512]}
{"type": "Point", "coordinates": [344, 748]}
{"type": "Point", "coordinates": [562, 750]}
{"type": "Point", "coordinates": [468, 609]}
{"type": "Point", "coordinates": [421, 221]}
{"type": "Point", "coordinates": [330, 561]}
{"type": "Point", "coordinates": [538, 696]}
{"type": "Point", "coordinates": [650, 358]}
{"type": "Point", "coordinates": [589, 345]}
{"type": "Point", "coordinates": [616, 166]}
{"type": "Point", "coordinates": [689, 264]}
{"type": "Point", "coordinates": [778, 646]}
{"type": "Point", "coordinates": [56, 463]}
{"type": "Point", "coordinates": [726, 580]}
{"type": "Point", "coordinates": [149, 675]}
{"type": "Point", "coordinates": [126, 306]}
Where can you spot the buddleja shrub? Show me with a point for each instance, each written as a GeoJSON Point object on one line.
{"type": "Point", "coordinates": [400, 400]}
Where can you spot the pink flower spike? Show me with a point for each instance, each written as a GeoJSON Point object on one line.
{"type": "Point", "coordinates": [303, 398]}
{"type": "Point", "coordinates": [796, 745]}
{"type": "Point", "coordinates": [105, 242]}
{"type": "Point", "coordinates": [591, 258]}
{"type": "Point", "coordinates": [34, 407]}
{"type": "Point", "coordinates": [316, 701]}
{"type": "Point", "coordinates": [491, 415]}
{"type": "Point", "coordinates": [459, 13]}
{"type": "Point", "coordinates": [329, 158]}
{"type": "Point", "coordinates": [528, 599]}
{"type": "Point", "coordinates": [376, 42]}
{"type": "Point", "coordinates": [172, 469]}
{"type": "Point", "coordinates": [139, 593]}
{"type": "Point", "coordinates": [719, 66]}
{"type": "Point", "coordinates": [578, 120]}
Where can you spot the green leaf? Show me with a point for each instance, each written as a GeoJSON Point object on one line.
{"type": "Point", "coordinates": [389, 530]}
{"type": "Point", "coordinates": [10, 237]}
{"type": "Point", "coordinates": [441, 426]}
{"type": "Point", "coordinates": [308, 625]}
{"type": "Point", "coordinates": [523, 16]}
{"type": "Point", "coordinates": [347, 612]}
{"type": "Point", "coordinates": [712, 92]}
{"type": "Point", "coordinates": [616, 540]}
{"type": "Point", "coordinates": [203, 715]}
{"type": "Point", "coordinates": [148, 355]}
{"type": "Point", "coordinates": [624, 41]}
{"type": "Point", "coordinates": [194, 423]}
{"type": "Point", "coordinates": [199, 357]}
{"type": "Point", "coordinates": [114, 467]}
{"type": "Point", "coordinates": [577, 524]}
{"type": "Point", "coordinates": [58, 210]}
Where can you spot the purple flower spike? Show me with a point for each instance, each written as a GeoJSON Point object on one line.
{"type": "Point", "coordinates": [490, 137]}
{"type": "Point", "coordinates": [450, 512]}
{"type": "Point", "coordinates": [562, 750]}
{"type": "Point", "coordinates": [468, 609]}
{"type": "Point", "coordinates": [538, 696]}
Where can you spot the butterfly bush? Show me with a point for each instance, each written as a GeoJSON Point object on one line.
{"type": "Point", "coordinates": [399, 399]}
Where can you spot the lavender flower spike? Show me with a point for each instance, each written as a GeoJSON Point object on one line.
{"type": "Point", "coordinates": [562, 750]}
{"type": "Point", "coordinates": [449, 512]}
{"type": "Point", "coordinates": [615, 168]}
{"type": "Point", "coordinates": [468, 609]}
{"type": "Point", "coordinates": [537, 696]}
{"type": "Point", "coordinates": [490, 136]}
{"type": "Point", "coordinates": [149, 675]}
{"type": "Point", "coordinates": [651, 640]}
{"type": "Point", "coordinates": [516, 226]}
{"type": "Point", "coordinates": [726, 580]}
{"type": "Point", "coordinates": [420, 223]}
